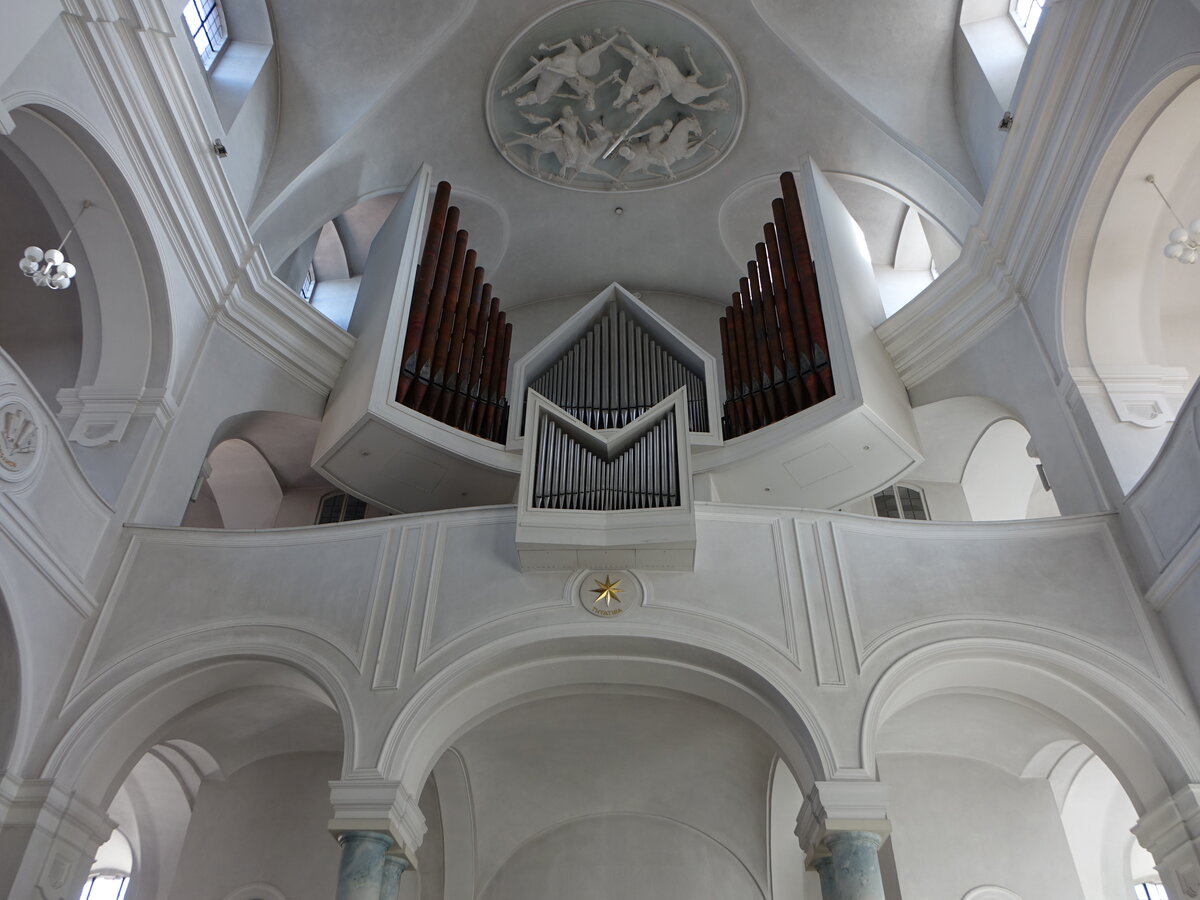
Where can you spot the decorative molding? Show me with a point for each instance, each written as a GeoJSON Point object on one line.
{"type": "Point", "coordinates": [833, 806]}
{"type": "Point", "coordinates": [371, 803]}
{"type": "Point", "coordinates": [21, 439]}
{"type": "Point", "coordinates": [1044, 158]}
{"type": "Point", "coordinates": [102, 414]}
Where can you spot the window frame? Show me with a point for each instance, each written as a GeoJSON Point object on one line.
{"type": "Point", "coordinates": [896, 498]}
{"type": "Point", "coordinates": [346, 499]}
{"type": "Point", "coordinates": [1034, 10]}
{"type": "Point", "coordinates": [209, 63]}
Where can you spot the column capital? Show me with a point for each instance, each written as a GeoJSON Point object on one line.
{"type": "Point", "coordinates": [376, 804]}
{"type": "Point", "coordinates": [1171, 834]}
{"type": "Point", "coordinates": [841, 806]}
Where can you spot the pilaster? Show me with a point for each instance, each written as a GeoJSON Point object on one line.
{"type": "Point", "coordinates": [1171, 834]}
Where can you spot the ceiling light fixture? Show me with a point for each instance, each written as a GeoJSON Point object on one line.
{"type": "Point", "coordinates": [1183, 243]}
{"type": "Point", "coordinates": [51, 269]}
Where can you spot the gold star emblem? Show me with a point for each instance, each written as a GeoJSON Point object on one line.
{"type": "Point", "coordinates": [607, 590]}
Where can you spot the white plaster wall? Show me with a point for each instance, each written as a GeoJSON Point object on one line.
{"type": "Point", "coordinates": [959, 823]}
{"type": "Point", "coordinates": [626, 856]}
{"type": "Point", "coordinates": [266, 822]}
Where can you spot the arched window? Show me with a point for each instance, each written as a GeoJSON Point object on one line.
{"type": "Point", "coordinates": [205, 22]}
{"type": "Point", "coordinates": [1027, 14]}
{"type": "Point", "coordinates": [1149, 890]}
{"type": "Point", "coordinates": [900, 502]}
{"type": "Point", "coordinates": [341, 507]}
{"type": "Point", "coordinates": [105, 887]}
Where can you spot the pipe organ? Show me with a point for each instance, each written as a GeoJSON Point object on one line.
{"type": "Point", "coordinates": [569, 475]}
{"type": "Point", "coordinates": [773, 342]}
{"type": "Point", "coordinates": [617, 371]}
{"type": "Point", "coordinates": [454, 364]}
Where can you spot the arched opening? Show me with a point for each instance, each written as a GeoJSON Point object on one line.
{"type": "Point", "coordinates": [1002, 478]}
{"type": "Point", "coordinates": [259, 474]}
{"type": "Point", "coordinates": [1131, 327]}
{"type": "Point", "coordinates": [10, 687]}
{"type": "Point", "coordinates": [326, 268]}
{"type": "Point", "coordinates": [907, 247]}
{"type": "Point", "coordinates": [219, 778]}
{"type": "Point", "coordinates": [670, 785]}
{"type": "Point", "coordinates": [1050, 773]}
{"type": "Point", "coordinates": [97, 353]}
{"type": "Point", "coordinates": [980, 465]}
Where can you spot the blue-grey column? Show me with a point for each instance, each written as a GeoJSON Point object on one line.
{"type": "Point", "coordinates": [851, 870]}
{"type": "Point", "coordinates": [393, 867]}
{"type": "Point", "coordinates": [360, 874]}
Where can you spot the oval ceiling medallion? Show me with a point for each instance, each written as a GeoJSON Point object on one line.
{"type": "Point", "coordinates": [615, 95]}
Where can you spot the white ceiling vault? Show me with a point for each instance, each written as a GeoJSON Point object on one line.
{"type": "Point", "coordinates": [370, 89]}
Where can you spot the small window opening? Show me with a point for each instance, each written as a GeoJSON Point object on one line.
{"type": "Point", "coordinates": [1149, 890]}
{"type": "Point", "coordinates": [310, 282]}
{"type": "Point", "coordinates": [1027, 14]}
{"type": "Point", "coordinates": [341, 507]}
{"type": "Point", "coordinates": [105, 887]}
{"type": "Point", "coordinates": [900, 502]}
{"type": "Point", "coordinates": [205, 21]}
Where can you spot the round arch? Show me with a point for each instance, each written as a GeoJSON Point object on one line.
{"type": "Point", "coordinates": [11, 685]}
{"type": "Point", "coordinates": [488, 682]}
{"type": "Point", "coordinates": [1129, 727]}
{"type": "Point", "coordinates": [1129, 373]}
{"type": "Point", "coordinates": [114, 729]}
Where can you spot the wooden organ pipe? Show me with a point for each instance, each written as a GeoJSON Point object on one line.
{"type": "Point", "coordinates": [808, 281]}
{"type": "Point", "coordinates": [454, 360]}
{"type": "Point", "coordinates": [773, 336]}
{"type": "Point", "coordinates": [419, 308]}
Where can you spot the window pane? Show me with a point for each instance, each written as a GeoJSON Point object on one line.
{"type": "Point", "coordinates": [1035, 14]}
{"type": "Point", "coordinates": [886, 505]}
{"type": "Point", "coordinates": [192, 18]}
{"type": "Point", "coordinates": [355, 510]}
{"type": "Point", "coordinates": [331, 509]}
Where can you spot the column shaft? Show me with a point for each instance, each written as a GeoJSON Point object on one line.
{"type": "Point", "coordinates": [851, 870]}
{"type": "Point", "coordinates": [360, 874]}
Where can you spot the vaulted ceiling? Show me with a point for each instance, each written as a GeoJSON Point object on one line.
{"type": "Point", "coordinates": [370, 89]}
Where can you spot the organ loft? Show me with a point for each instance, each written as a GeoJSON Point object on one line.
{"type": "Point", "coordinates": [599, 449]}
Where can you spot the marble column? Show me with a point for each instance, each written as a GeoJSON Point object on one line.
{"type": "Point", "coordinates": [394, 866]}
{"type": "Point", "coordinates": [360, 874]}
{"type": "Point", "coordinates": [850, 870]}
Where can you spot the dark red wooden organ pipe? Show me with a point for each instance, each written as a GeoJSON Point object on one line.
{"type": "Point", "coordinates": [773, 340]}
{"type": "Point", "coordinates": [454, 362]}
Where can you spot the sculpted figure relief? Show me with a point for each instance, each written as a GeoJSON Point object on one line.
{"type": "Point", "coordinates": [585, 145]}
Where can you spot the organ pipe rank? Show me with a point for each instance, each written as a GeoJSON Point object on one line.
{"type": "Point", "coordinates": [773, 342]}
{"type": "Point", "coordinates": [454, 365]}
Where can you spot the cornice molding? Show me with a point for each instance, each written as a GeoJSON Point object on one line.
{"type": "Point", "coordinates": [139, 80]}
{"type": "Point", "coordinates": [1076, 65]}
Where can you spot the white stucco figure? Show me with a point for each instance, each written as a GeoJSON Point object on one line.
{"type": "Point", "coordinates": [663, 146]}
{"type": "Point", "coordinates": [569, 65]}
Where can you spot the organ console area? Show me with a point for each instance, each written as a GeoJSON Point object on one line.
{"type": "Point", "coordinates": [602, 429]}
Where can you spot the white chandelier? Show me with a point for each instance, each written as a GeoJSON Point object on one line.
{"type": "Point", "coordinates": [50, 268]}
{"type": "Point", "coordinates": [1183, 243]}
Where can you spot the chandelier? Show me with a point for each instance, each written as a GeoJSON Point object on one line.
{"type": "Point", "coordinates": [1183, 243]}
{"type": "Point", "coordinates": [50, 268]}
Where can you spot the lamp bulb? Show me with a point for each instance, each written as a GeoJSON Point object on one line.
{"type": "Point", "coordinates": [1194, 229]}
{"type": "Point", "coordinates": [40, 280]}
{"type": "Point", "coordinates": [1189, 256]}
{"type": "Point", "coordinates": [33, 254]}
{"type": "Point", "coordinates": [66, 269]}
{"type": "Point", "coordinates": [28, 266]}
{"type": "Point", "coordinates": [1173, 251]}
{"type": "Point", "coordinates": [59, 281]}
{"type": "Point", "coordinates": [54, 257]}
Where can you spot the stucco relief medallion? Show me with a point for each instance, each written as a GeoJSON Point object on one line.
{"type": "Point", "coordinates": [20, 439]}
{"type": "Point", "coordinates": [615, 95]}
{"type": "Point", "coordinates": [609, 593]}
